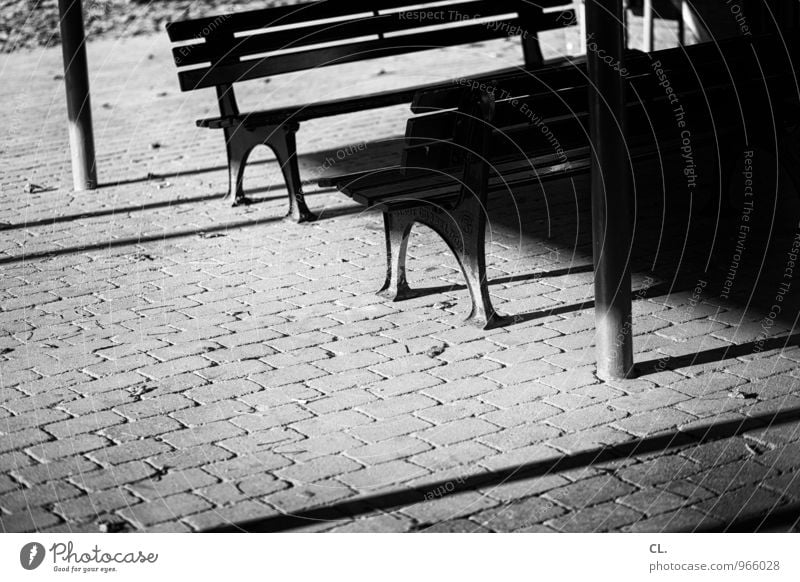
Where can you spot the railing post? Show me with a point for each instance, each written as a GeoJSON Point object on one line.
{"type": "Point", "coordinates": [79, 107]}
{"type": "Point", "coordinates": [611, 238]}
{"type": "Point", "coordinates": [649, 41]}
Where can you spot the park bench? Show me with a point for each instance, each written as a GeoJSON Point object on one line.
{"type": "Point", "coordinates": [221, 51]}
{"type": "Point", "coordinates": [463, 144]}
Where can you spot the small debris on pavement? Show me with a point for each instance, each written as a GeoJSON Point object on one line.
{"type": "Point", "coordinates": [31, 188]}
{"type": "Point", "coordinates": [436, 350]}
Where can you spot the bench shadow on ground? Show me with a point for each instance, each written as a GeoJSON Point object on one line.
{"type": "Point", "coordinates": [258, 184]}
{"type": "Point", "coordinates": [679, 241]}
{"type": "Point", "coordinates": [781, 517]}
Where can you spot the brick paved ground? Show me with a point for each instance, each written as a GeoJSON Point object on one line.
{"type": "Point", "coordinates": [171, 364]}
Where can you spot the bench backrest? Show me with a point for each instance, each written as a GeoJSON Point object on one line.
{"type": "Point", "coordinates": [247, 45]}
{"type": "Point", "coordinates": [726, 86]}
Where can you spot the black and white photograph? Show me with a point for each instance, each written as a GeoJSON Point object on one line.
{"type": "Point", "coordinates": [398, 266]}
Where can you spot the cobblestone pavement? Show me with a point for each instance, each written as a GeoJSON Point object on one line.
{"type": "Point", "coordinates": [171, 364]}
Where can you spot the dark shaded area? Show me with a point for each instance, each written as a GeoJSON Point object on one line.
{"type": "Point", "coordinates": [398, 499]}
{"type": "Point", "coordinates": [783, 519]}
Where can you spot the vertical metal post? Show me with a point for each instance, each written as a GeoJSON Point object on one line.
{"type": "Point", "coordinates": [580, 12]}
{"type": "Point", "coordinates": [79, 107]}
{"type": "Point", "coordinates": [624, 23]}
{"type": "Point", "coordinates": [648, 26]}
{"type": "Point", "coordinates": [611, 238]}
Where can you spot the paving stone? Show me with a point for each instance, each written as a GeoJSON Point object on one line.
{"type": "Point", "coordinates": [29, 520]}
{"type": "Point", "coordinates": [385, 429]}
{"type": "Point", "coordinates": [400, 367]}
{"type": "Point", "coordinates": [307, 495]}
{"type": "Point", "coordinates": [173, 481]}
{"type": "Point", "coordinates": [240, 513]}
{"type": "Point", "coordinates": [319, 469]}
{"type": "Point", "coordinates": [283, 376]}
{"type": "Point", "coordinates": [388, 450]}
{"type": "Point", "coordinates": [708, 383]}
{"type": "Point", "coordinates": [455, 526]}
{"type": "Point", "coordinates": [644, 401]}
{"type": "Point", "coordinates": [659, 470]}
{"type": "Point", "coordinates": [158, 405]}
{"type": "Point", "coordinates": [164, 509]}
{"type": "Point", "coordinates": [518, 514]}
{"type": "Point", "coordinates": [64, 447]}
{"type": "Point", "coordinates": [330, 423]}
{"type": "Point", "coordinates": [742, 503]}
{"type": "Point", "coordinates": [458, 455]}
{"type": "Point", "coordinates": [396, 405]}
{"type": "Point", "coordinates": [460, 389]}
{"type": "Point", "coordinates": [521, 414]}
{"type": "Point", "coordinates": [205, 413]}
{"type": "Point", "coordinates": [522, 372]}
{"type": "Point", "coordinates": [519, 436]}
{"type": "Point", "coordinates": [733, 475]}
{"type": "Point", "coordinates": [466, 369]}
{"type": "Point", "coordinates": [591, 491]}
{"type": "Point", "coordinates": [458, 430]}
{"type": "Point", "coordinates": [43, 494]}
{"type": "Point", "coordinates": [403, 384]}
{"type": "Point", "coordinates": [585, 418]}
{"type": "Point", "coordinates": [90, 506]}
{"type": "Point", "coordinates": [599, 518]}
{"type": "Point", "coordinates": [381, 475]}
{"type": "Point", "coordinates": [143, 429]}
{"type": "Point", "coordinates": [207, 433]}
{"type": "Point", "coordinates": [223, 390]}
{"type": "Point", "coordinates": [652, 501]}
{"type": "Point", "coordinates": [376, 524]}
{"type": "Point", "coordinates": [262, 462]}
{"type": "Point", "coordinates": [22, 439]}
{"type": "Point", "coordinates": [310, 448]}
{"type": "Point", "coordinates": [680, 520]}
{"type": "Point", "coordinates": [200, 456]}
{"type": "Point", "coordinates": [517, 394]}
{"type": "Point", "coordinates": [653, 422]}
{"type": "Point", "coordinates": [42, 472]}
{"type": "Point", "coordinates": [37, 418]}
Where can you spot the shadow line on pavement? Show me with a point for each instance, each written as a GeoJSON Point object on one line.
{"type": "Point", "coordinates": [133, 241]}
{"type": "Point", "coordinates": [673, 363]}
{"type": "Point", "coordinates": [156, 205]}
{"type": "Point", "coordinates": [413, 495]}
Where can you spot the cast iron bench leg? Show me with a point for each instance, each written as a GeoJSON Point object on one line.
{"type": "Point", "coordinates": [282, 142]}
{"type": "Point", "coordinates": [462, 229]}
{"type": "Point", "coordinates": [397, 228]}
{"type": "Point", "coordinates": [240, 141]}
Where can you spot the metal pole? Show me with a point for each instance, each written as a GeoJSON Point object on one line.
{"type": "Point", "coordinates": [611, 236]}
{"type": "Point", "coordinates": [79, 107]}
{"type": "Point", "coordinates": [648, 26]}
{"type": "Point", "coordinates": [580, 12]}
